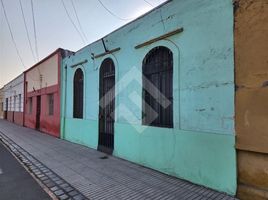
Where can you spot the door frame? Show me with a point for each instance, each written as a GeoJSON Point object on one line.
{"type": "Point", "coordinates": [102, 147]}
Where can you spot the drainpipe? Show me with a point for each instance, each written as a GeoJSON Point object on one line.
{"type": "Point", "coordinates": [24, 97]}
{"type": "Point", "coordinates": [64, 106]}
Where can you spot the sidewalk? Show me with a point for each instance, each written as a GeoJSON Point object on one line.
{"type": "Point", "coordinates": [98, 178]}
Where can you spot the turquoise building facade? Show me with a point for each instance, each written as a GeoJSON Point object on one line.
{"type": "Point", "coordinates": [200, 145]}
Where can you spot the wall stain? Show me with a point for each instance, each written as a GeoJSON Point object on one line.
{"type": "Point", "coordinates": [236, 5]}
{"type": "Point", "coordinates": [208, 85]}
{"type": "Point", "coordinates": [200, 110]}
{"type": "Point", "coordinates": [265, 84]}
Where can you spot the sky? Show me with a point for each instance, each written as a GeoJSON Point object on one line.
{"type": "Point", "coordinates": [54, 29]}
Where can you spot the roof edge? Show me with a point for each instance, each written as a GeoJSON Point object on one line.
{"type": "Point", "coordinates": [121, 27]}
{"type": "Point", "coordinates": [59, 50]}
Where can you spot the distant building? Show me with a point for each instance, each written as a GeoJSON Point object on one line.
{"type": "Point", "coordinates": [1, 103]}
{"type": "Point", "coordinates": [159, 91]}
{"type": "Point", "coordinates": [42, 94]}
{"type": "Point", "coordinates": [13, 100]}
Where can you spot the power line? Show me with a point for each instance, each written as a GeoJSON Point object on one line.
{"type": "Point", "coordinates": [26, 28]}
{"type": "Point", "coordinates": [77, 18]}
{"type": "Point", "coordinates": [148, 3]}
{"type": "Point", "coordinates": [69, 17]}
{"type": "Point", "coordinates": [34, 26]}
{"type": "Point", "coordinates": [35, 37]}
{"type": "Point", "coordinates": [11, 34]}
{"type": "Point", "coordinates": [113, 14]}
{"type": "Point", "coordinates": [12, 37]}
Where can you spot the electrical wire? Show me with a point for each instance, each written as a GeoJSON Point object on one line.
{"type": "Point", "coordinates": [148, 3]}
{"type": "Point", "coordinates": [27, 31]}
{"type": "Point", "coordinates": [11, 34]}
{"type": "Point", "coordinates": [79, 23]}
{"type": "Point", "coordinates": [34, 26]}
{"type": "Point", "coordinates": [69, 17]}
{"type": "Point", "coordinates": [13, 39]}
{"type": "Point", "coordinates": [112, 13]}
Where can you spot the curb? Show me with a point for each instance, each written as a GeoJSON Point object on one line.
{"type": "Point", "coordinates": [57, 186]}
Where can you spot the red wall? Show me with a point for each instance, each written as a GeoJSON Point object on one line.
{"type": "Point", "coordinates": [10, 116]}
{"type": "Point", "coordinates": [48, 123]}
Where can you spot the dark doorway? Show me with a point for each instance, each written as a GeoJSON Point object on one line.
{"type": "Point", "coordinates": [38, 112]}
{"type": "Point", "coordinates": [107, 106]}
{"type": "Point", "coordinates": [78, 96]}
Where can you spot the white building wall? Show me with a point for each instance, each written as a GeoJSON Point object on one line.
{"type": "Point", "coordinates": [14, 92]}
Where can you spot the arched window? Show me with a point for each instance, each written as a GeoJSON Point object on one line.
{"type": "Point", "coordinates": [158, 88]}
{"type": "Point", "coordinates": [78, 94]}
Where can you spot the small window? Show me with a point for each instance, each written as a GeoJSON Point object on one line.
{"type": "Point", "coordinates": [50, 104]}
{"type": "Point", "coordinates": [14, 108]}
{"type": "Point", "coordinates": [10, 104]}
{"type": "Point", "coordinates": [6, 104]}
{"type": "Point", "coordinates": [30, 105]}
{"type": "Point", "coordinates": [19, 103]}
{"type": "Point", "coordinates": [78, 94]}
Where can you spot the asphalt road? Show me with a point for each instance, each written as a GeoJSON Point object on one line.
{"type": "Point", "coordinates": [15, 182]}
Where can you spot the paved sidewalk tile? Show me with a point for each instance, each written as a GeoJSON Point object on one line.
{"type": "Point", "coordinates": [81, 171]}
{"type": "Point", "coordinates": [58, 186]}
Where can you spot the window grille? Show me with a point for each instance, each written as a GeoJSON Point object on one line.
{"type": "Point", "coordinates": [158, 88]}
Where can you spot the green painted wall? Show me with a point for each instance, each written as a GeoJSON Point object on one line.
{"type": "Point", "coordinates": [202, 158]}
{"type": "Point", "coordinates": [82, 132]}
{"type": "Point", "coordinates": [200, 148]}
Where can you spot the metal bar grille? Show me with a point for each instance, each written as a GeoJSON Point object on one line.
{"type": "Point", "coordinates": [158, 75]}
{"type": "Point", "coordinates": [107, 106]}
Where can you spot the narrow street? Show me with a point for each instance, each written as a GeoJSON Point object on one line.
{"type": "Point", "coordinates": [15, 182]}
{"type": "Point", "coordinates": [94, 174]}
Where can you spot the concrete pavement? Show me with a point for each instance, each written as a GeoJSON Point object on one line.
{"type": "Point", "coordinates": [97, 178]}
